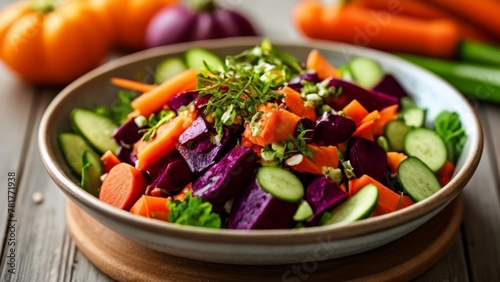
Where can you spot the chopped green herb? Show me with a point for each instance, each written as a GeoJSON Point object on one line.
{"type": "Point", "coordinates": [155, 121]}
{"type": "Point", "coordinates": [194, 212]}
{"type": "Point", "coordinates": [120, 109]}
{"type": "Point", "coordinates": [449, 128]}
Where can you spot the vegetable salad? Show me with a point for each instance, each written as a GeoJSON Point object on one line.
{"type": "Point", "coordinates": [262, 141]}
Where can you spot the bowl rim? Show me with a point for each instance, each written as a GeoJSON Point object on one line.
{"type": "Point", "coordinates": [266, 237]}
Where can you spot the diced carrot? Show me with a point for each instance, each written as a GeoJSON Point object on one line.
{"type": "Point", "coordinates": [154, 100]}
{"type": "Point", "coordinates": [445, 173]}
{"type": "Point", "coordinates": [109, 160]}
{"type": "Point", "coordinates": [394, 159]}
{"type": "Point", "coordinates": [296, 105]}
{"type": "Point", "coordinates": [183, 192]}
{"type": "Point", "coordinates": [316, 61]}
{"type": "Point", "coordinates": [365, 130]}
{"type": "Point", "coordinates": [323, 157]}
{"type": "Point", "coordinates": [132, 85]}
{"type": "Point", "coordinates": [152, 207]}
{"type": "Point", "coordinates": [388, 200]}
{"type": "Point", "coordinates": [123, 186]}
{"type": "Point", "coordinates": [149, 152]}
{"type": "Point", "coordinates": [372, 116]}
{"type": "Point", "coordinates": [276, 126]}
{"type": "Point", "coordinates": [355, 111]}
{"type": "Point", "coordinates": [386, 115]}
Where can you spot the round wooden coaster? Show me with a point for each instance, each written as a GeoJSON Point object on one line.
{"type": "Point", "coordinates": [401, 260]}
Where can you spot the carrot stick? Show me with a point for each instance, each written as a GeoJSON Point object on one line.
{"type": "Point", "coordinates": [427, 11]}
{"type": "Point", "coordinates": [445, 173]}
{"type": "Point", "coordinates": [388, 200]}
{"type": "Point", "coordinates": [323, 157]}
{"type": "Point", "coordinates": [155, 99]}
{"type": "Point", "coordinates": [152, 207]}
{"type": "Point", "coordinates": [276, 127]}
{"type": "Point", "coordinates": [109, 160]}
{"type": "Point", "coordinates": [296, 105]}
{"type": "Point", "coordinates": [386, 115]}
{"type": "Point", "coordinates": [132, 85]}
{"type": "Point", "coordinates": [365, 130]}
{"type": "Point", "coordinates": [149, 152]}
{"type": "Point", "coordinates": [394, 159]}
{"type": "Point", "coordinates": [355, 111]}
{"type": "Point", "coordinates": [484, 14]}
{"type": "Point", "coordinates": [316, 61]}
{"type": "Point", "coordinates": [362, 27]}
{"type": "Point", "coordinates": [123, 186]}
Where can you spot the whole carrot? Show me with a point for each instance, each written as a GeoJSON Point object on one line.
{"type": "Point", "coordinates": [364, 27]}
{"type": "Point", "coordinates": [483, 14]}
{"type": "Point", "coordinates": [428, 11]}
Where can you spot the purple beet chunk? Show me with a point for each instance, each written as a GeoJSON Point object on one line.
{"type": "Point", "coordinates": [333, 129]}
{"type": "Point", "coordinates": [390, 86]}
{"type": "Point", "coordinates": [257, 209]}
{"type": "Point", "coordinates": [126, 155]}
{"type": "Point", "coordinates": [182, 99]}
{"type": "Point", "coordinates": [201, 153]}
{"type": "Point", "coordinates": [296, 82]}
{"type": "Point", "coordinates": [175, 176]}
{"type": "Point", "coordinates": [227, 178]}
{"type": "Point", "coordinates": [367, 157]}
{"type": "Point", "coordinates": [307, 124]}
{"type": "Point", "coordinates": [197, 129]}
{"type": "Point", "coordinates": [127, 133]}
{"type": "Point", "coordinates": [155, 170]}
{"type": "Point", "coordinates": [323, 194]}
{"type": "Point", "coordinates": [369, 99]}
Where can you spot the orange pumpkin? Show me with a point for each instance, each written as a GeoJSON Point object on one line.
{"type": "Point", "coordinates": [52, 42]}
{"type": "Point", "coordinates": [130, 19]}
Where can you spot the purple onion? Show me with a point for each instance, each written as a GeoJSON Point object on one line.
{"type": "Point", "coordinates": [172, 24]}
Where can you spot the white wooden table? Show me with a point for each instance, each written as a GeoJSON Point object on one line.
{"type": "Point", "coordinates": [44, 250]}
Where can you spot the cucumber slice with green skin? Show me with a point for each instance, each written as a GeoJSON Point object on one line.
{"type": "Point", "coordinates": [365, 71]}
{"type": "Point", "coordinates": [304, 212]}
{"type": "Point", "coordinates": [395, 132]}
{"type": "Point", "coordinates": [357, 207]}
{"type": "Point", "coordinates": [168, 68]}
{"type": "Point", "coordinates": [426, 145]}
{"type": "Point", "coordinates": [280, 183]}
{"type": "Point", "coordinates": [414, 117]}
{"type": "Point", "coordinates": [96, 129]}
{"type": "Point", "coordinates": [196, 56]}
{"type": "Point", "coordinates": [417, 179]}
{"type": "Point", "coordinates": [73, 147]}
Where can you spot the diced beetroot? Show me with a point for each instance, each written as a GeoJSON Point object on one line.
{"type": "Point", "coordinates": [227, 178]}
{"type": "Point", "coordinates": [127, 133]}
{"type": "Point", "coordinates": [182, 99]}
{"type": "Point", "coordinates": [197, 128]}
{"type": "Point", "coordinates": [201, 153]}
{"type": "Point", "coordinates": [333, 129]}
{"type": "Point", "coordinates": [307, 124]}
{"type": "Point", "coordinates": [296, 82]}
{"type": "Point", "coordinates": [257, 209]}
{"type": "Point", "coordinates": [369, 99]}
{"type": "Point", "coordinates": [156, 170]}
{"type": "Point", "coordinates": [126, 155]}
{"type": "Point", "coordinates": [367, 157]}
{"type": "Point", "coordinates": [175, 176]}
{"type": "Point", "coordinates": [390, 86]}
{"type": "Point", "coordinates": [322, 195]}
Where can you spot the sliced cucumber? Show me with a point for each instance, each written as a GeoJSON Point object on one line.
{"type": "Point", "coordinates": [417, 179]}
{"type": "Point", "coordinates": [395, 132]}
{"type": "Point", "coordinates": [196, 56]}
{"type": "Point", "coordinates": [304, 212]}
{"type": "Point", "coordinates": [168, 68]}
{"type": "Point", "coordinates": [96, 129]}
{"type": "Point", "coordinates": [414, 117]}
{"type": "Point", "coordinates": [357, 207]}
{"type": "Point", "coordinates": [345, 73]}
{"type": "Point", "coordinates": [365, 71]}
{"type": "Point", "coordinates": [280, 183]}
{"type": "Point", "coordinates": [426, 145]}
{"type": "Point", "coordinates": [73, 147]}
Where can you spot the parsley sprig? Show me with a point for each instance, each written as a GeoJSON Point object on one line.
{"type": "Point", "coordinates": [194, 212]}
{"type": "Point", "coordinates": [120, 108]}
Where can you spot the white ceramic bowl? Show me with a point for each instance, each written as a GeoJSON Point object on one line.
{"type": "Point", "coordinates": [263, 246]}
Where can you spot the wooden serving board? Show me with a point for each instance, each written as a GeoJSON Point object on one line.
{"type": "Point", "coordinates": [401, 260]}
